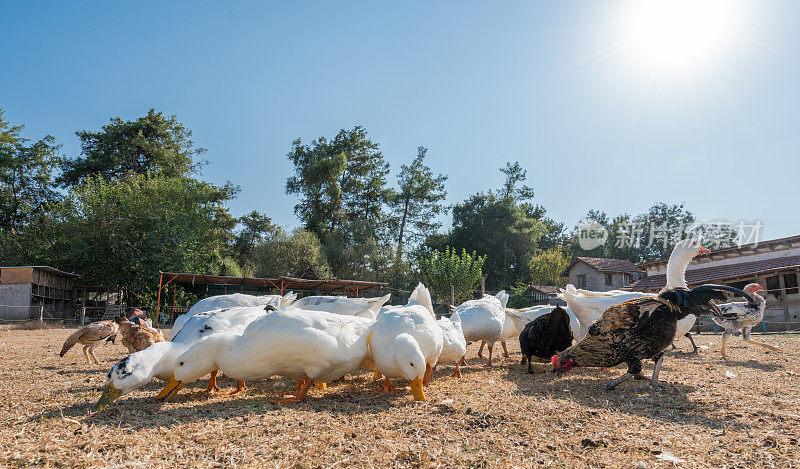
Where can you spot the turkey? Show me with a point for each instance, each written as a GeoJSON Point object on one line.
{"type": "Point", "coordinates": [640, 329]}
{"type": "Point", "coordinates": [588, 305]}
{"type": "Point", "coordinates": [545, 336]}
{"type": "Point", "coordinates": [90, 336]}
{"type": "Point", "coordinates": [523, 316]}
{"type": "Point", "coordinates": [742, 316]}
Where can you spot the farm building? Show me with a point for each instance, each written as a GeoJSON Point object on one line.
{"type": "Point", "coordinates": [546, 294]}
{"type": "Point", "coordinates": [25, 289]}
{"type": "Point", "coordinates": [598, 274]}
{"type": "Point", "coordinates": [774, 264]}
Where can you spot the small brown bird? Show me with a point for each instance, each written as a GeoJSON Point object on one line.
{"type": "Point", "coordinates": [90, 336]}
{"type": "Point", "coordinates": [136, 338]}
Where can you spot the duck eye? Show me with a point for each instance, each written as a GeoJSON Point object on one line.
{"type": "Point", "coordinates": [180, 364]}
{"type": "Point", "coordinates": [411, 364]}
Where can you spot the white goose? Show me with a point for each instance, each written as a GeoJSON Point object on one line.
{"type": "Point", "coordinates": [483, 319]}
{"type": "Point", "coordinates": [309, 346]}
{"type": "Point", "coordinates": [158, 360]}
{"type": "Point", "coordinates": [588, 306]}
{"type": "Point", "coordinates": [406, 342]}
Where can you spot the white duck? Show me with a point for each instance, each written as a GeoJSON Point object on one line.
{"type": "Point", "coordinates": [361, 307]}
{"type": "Point", "coordinates": [158, 360]}
{"type": "Point", "coordinates": [406, 342]}
{"type": "Point", "coordinates": [309, 346]}
{"type": "Point", "coordinates": [218, 302]}
{"type": "Point", "coordinates": [483, 319]}
{"type": "Point", "coordinates": [588, 306]}
{"type": "Point", "coordinates": [454, 345]}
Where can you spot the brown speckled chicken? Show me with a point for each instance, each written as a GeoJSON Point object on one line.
{"type": "Point", "coordinates": [136, 338]}
{"type": "Point", "coordinates": [90, 336]}
{"type": "Point", "coordinates": [640, 329]}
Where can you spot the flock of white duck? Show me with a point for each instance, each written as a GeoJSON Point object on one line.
{"type": "Point", "coordinates": [319, 339]}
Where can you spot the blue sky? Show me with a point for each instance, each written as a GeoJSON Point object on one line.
{"type": "Point", "coordinates": [555, 85]}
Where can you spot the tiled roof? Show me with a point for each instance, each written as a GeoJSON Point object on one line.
{"type": "Point", "coordinates": [549, 290]}
{"type": "Point", "coordinates": [605, 265]}
{"type": "Point", "coordinates": [719, 273]}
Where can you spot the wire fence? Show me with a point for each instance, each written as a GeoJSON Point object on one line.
{"type": "Point", "coordinates": [21, 314]}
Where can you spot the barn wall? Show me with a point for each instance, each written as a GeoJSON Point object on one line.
{"type": "Point", "coordinates": [15, 301]}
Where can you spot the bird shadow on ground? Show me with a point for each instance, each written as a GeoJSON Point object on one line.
{"type": "Point", "coordinates": [354, 397]}
{"type": "Point", "coordinates": [670, 404]}
{"type": "Point", "coordinates": [756, 365]}
{"type": "Point", "coordinates": [70, 371]}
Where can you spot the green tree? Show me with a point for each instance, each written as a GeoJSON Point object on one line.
{"type": "Point", "coordinates": [299, 254]}
{"type": "Point", "coordinates": [440, 270]}
{"type": "Point", "coordinates": [153, 144]}
{"type": "Point", "coordinates": [122, 233]}
{"type": "Point", "coordinates": [255, 228]}
{"type": "Point", "coordinates": [342, 187]}
{"type": "Point", "coordinates": [26, 177]}
{"type": "Point", "coordinates": [546, 266]}
{"type": "Point", "coordinates": [418, 202]}
{"type": "Point", "coordinates": [515, 175]}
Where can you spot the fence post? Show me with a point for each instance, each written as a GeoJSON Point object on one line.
{"type": "Point", "coordinates": [41, 314]}
{"type": "Point", "coordinates": [83, 315]}
{"type": "Point", "coordinates": [452, 295]}
{"type": "Point", "coordinates": [483, 286]}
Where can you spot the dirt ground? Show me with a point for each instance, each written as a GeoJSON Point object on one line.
{"type": "Point", "coordinates": [742, 413]}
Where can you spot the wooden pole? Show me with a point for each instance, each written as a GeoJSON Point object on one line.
{"type": "Point", "coordinates": [483, 286]}
{"type": "Point", "coordinates": [83, 315]}
{"type": "Point", "coordinates": [41, 313]}
{"type": "Point", "coordinates": [784, 298]}
{"type": "Point", "coordinates": [158, 300]}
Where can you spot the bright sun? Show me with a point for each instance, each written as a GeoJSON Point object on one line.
{"type": "Point", "coordinates": [679, 35]}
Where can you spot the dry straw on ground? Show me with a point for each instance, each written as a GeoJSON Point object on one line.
{"type": "Point", "coordinates": [743, 413]}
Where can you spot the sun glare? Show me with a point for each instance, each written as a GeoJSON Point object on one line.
{"type": "Point", "coordinates": [679, 35]}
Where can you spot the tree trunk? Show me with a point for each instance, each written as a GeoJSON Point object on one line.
{"type": "Point", "coordinates": [402, 230]}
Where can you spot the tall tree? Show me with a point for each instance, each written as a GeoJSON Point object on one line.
{"type": "Point", "coordinates": [26, 176]}
{"type": "Point", "coordinates": [255, 228]}
{"type": "Point", "coordinates": [418, 202]}
{"type": "Point", "coordinates": [503, 226]}
{"type": "Point", "coordinates": [515, 175]}
{"type": "Point", "coordinates": [154, 143]}
{"type": "Point", "coordinates": [342, 186]}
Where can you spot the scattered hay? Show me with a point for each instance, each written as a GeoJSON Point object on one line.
{"type": "Point", "coordinates": [500, 417]}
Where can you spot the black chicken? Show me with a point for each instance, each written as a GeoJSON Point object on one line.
{"type": "Point", "coordinates": [640, 329]}
{"type": "Point", "coordinates": [545, 336]}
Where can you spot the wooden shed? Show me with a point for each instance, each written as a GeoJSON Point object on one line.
{"type": "Point", "coordinates": [25, 290]}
